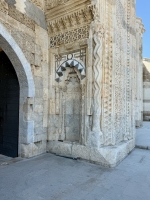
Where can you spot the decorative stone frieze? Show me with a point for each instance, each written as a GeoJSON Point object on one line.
{"type": "Point", "coordinates": [80, 14]}
{"type": "Point", "coordinates": [70, 36]}
{"type": "Point", "coordinates": [71, 21]}
{"type": "Point", "coordinates": [107, 95]}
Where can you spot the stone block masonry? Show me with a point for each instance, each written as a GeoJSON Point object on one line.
{"type": "Point", "coordinates": [77, 73]}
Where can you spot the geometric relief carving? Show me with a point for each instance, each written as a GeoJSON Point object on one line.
{"type": "Point", "coordinates": [70, 36]}
{"type": "Point", "coordinates": [128, 75]}
{"type": "Point", "coordinates": [119, 81]}
{"type": "Point", "coordinates": [107, 86]}
{"type": "Point", "coordinates": [70, 63]}
{"type": "Point", "coordinates": [98, 39]}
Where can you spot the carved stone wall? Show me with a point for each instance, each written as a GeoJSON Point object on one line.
{"type": "Point", "coordinates": [66, 107]}
{"type": "Point", "coordinates": [139, 73]}
{"type": "Point", "coordinates": [146, 89]}
{"type": "Point", "coordinates": [22, 40]}
{"type": "Point", "coordinates": [108, 103]}
{"type": "Point", "coordinates": [107, 107]}
{"type": "Point", "coordinates": [70, 36]}
{"type": "Point", "coordinates": [82, 60]}
{"type": "Point", "coordinates": [71, 107]}
{"type": "Point", "coordinates": [31, 11]}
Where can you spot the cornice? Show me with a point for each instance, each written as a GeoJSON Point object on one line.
{"type": "Point", "coordinates": [77, 17]}
{"type": "Point", "coordinates": [67, 8]}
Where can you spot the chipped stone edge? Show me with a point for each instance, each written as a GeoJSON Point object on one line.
{"type": "Point", "coordinates": [105, 156]}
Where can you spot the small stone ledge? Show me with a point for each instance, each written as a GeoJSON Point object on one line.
{"type": "Point", "coordinates": [108, 156]}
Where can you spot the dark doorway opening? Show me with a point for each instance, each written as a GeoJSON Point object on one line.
{"type": "Point", "coordinates": [9, 107]}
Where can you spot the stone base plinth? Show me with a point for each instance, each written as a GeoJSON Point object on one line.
{"type": "Point", "coordinates": [108, 156]}
{"type": "Point", "coordinates": [32, 149]}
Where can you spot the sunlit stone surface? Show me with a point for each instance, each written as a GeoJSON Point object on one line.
{"type": "Point", "coordinates": [79, 64]}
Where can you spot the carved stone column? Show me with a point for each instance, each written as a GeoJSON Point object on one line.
{"type": "Point", "coordinates": [96, 137]}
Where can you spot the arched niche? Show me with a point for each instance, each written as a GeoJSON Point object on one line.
{"type": "Point", "coordinates": [72, 63]}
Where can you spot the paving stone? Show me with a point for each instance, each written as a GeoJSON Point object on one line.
{"type": "Point", "coordinates": [49, 177]}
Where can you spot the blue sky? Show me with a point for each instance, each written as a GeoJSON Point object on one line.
{"type": "Point", "coordinates": [143, 11]}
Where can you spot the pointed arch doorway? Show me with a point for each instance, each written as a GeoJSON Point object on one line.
{"type": "Point", "coordinates": [22, 68]}
{"type": "Point", "coordinates": [9, 107]}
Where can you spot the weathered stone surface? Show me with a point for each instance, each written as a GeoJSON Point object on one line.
{"type": "Point", "coordinates": [139, 73]}
{"type": "Point", "coordinates": [146, 89]}
{"type": "Point", "coordinates": [106, 156]}
{"type": "Point", "coordinates": [35, 13]}
{"type": "Point", "coordinates": [78, 73]}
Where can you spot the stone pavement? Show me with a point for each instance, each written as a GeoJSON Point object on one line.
{"type": "Point", "coordinates": [4, 160]}
{"type": "Point", "coordinates": [48, 177]}
{"type": "Point", "coordinates": [143, 136]}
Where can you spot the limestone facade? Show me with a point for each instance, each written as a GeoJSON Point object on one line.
{"type": "Point", "coordinates": [139, 72]}
{"type": "Point", "coordinates": [77, 69]}
{"type": "Point", "coordinates": [146, 89]}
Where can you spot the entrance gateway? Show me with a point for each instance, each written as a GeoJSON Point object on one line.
{"type": "Point", "coordinates": [9, 107]}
